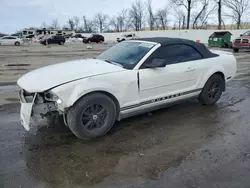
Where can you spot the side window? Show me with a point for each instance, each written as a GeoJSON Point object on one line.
{"type": "Point", "coordinates": [11, 38]}
{"type": "Point", "coordinates": [186, 53]}
{"type": "Point", "coordinates": [173, 54]}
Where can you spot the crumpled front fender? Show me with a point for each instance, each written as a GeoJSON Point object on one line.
{"type": "Point", "coordinates": [71, 92]}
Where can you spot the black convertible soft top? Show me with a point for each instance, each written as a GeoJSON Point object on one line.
{"type": "Point", "coordinates": [165, 41]}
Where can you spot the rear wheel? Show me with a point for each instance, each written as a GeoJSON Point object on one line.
{"type": "Point", "coordinates": [212, 91]}
{"type": "Point", "coordinates": [61, 43]}
{"type": "Point", "coordinates": [17, 43]}
{"type": "Point", "coordinates": [236, 50]}
{"type": "Point", "coordinates": [92, 116]}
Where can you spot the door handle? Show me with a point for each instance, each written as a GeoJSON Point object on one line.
{"type": "Point", "coordinates": [190, 69]}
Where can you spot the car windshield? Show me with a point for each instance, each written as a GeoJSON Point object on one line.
{"type": "Point", "coordinates": [127, 54]}
{"type": "Point", "coordinates": [246, 33]}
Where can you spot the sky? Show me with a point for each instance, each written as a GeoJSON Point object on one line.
{"type": "Point", "coordinates": [19, 14]}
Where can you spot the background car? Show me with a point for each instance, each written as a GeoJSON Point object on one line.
{"type": "Point", "coordinates": [127, 37]}
{"type": "Point", "coordinates": [55, 39]}
{"type": "Point", "coordinates": [79, 36]}
{"type": "Point", "coordinates": [242, 42]}
{"type": "Point", "coordinates": [10, 40]}
{"type": "Point", "coordinates": [94, 38]}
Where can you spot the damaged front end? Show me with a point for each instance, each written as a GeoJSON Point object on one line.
{"type": "Point", "coordinates": [39, 108]}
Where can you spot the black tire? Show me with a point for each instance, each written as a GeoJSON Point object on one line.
{"type": "Point", "coordinates": [236, 50]}
{"type": "Point", "coordinates": [212, 90]}
{"type": "Point", "coordinates": [61, 43]}
{"type": "Point", "coordinates": [87, 123]}
{"type": "Point", "coordinates": [17, 43]}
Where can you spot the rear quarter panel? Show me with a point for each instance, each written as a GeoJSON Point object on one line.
{"type": "Point", "coordinates": [224, 63]}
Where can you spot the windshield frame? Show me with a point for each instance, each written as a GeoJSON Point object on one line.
{"type": "Point", "coordinates": [131, 66]}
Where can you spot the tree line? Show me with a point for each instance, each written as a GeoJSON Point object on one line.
{"type": "Point", "coordinates": [183, 14]}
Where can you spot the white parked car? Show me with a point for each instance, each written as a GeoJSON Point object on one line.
{"type": "Point", "coordinates": [127, 37]}
{"type": "Point", "coordinates": [130, 78]}
{"type": "Point", "coordinates": [10, 40]}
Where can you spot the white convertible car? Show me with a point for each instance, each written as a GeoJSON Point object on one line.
{"type": "Point", "coordinates": [131, 77]}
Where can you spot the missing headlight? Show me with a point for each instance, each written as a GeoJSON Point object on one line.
{"type": "Point", "coordinates": [50, 97]}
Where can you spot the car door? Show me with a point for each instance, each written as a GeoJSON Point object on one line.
{"type": "Point", "coordinates": [94, 38]}
{"type": "Point", "coordinates": [11, 40]}
{"type": "Point", "coordinates": [178, 76]}
{"type": "Point", "coordinates": [57, 39]}
{"type": "Point", "coordinates": [54, 40]}
{"type": "Point", "coordinates": [3, 40]}
{"type": "Point", "coordinates": [6, 41]}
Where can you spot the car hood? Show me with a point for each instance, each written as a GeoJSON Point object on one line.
{"type": "Point", "coordinates": [45, 78]}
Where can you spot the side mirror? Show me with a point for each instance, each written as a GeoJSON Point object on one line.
{"type": "Point", "coordinates": [241, 35]}
{"type": "Point", "coordinates": [156, 63]}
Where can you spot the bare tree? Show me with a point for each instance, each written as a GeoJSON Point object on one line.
{"type": "Point", "coordinates": [114, 22]}
{"type": "Point", "coordinates": [219, 14]}
{"type": "Point", "coordinates": [151, 17]}
{"type": "Point", "coordinates": [201, 13]}
{"type": "Point", "coordinates": [71, 24]}
{"type": "Point", "coordinates": [121, 21]}
{"type": "Point", "coordinates": [55, 24]}
{"type": "Point", "coordinates": [85, 22]}
{"type": "Point", "coordinates": [124, 20]}
{"type": "Point", "coordinates": [200, 18]}
{"type": "Point", "coordinates": [88, 25]}
{"type": "Point", "coordinates": [136, 15]}
{"type": "Point", "coordinates": [239, 10]}
{"type": "Point", "coordinates": [76, 22]}
{"type": "Point", "coordinates": [180, 18]}
{"type": "Point", "coordinates": [44, 25]}
{"type": "Point", "coordinates": [162, 17]}
{"type": "Point", "coordinates": [188, 5]}
{"type": "Point", "coordinates": [101, 21]}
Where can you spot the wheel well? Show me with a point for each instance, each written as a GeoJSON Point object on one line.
{"type": "Point", "coordinates": [107, 94]}
{"type": "Point", "coordinates": [223, 77]}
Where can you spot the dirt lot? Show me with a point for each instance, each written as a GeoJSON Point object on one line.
{"type": "Point", "coordinates": [187, 145]}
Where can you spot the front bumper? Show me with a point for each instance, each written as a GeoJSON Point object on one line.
{"type": "Point", "coordinates": [241, 47]}
{"type": "Point", "coordinates": [35, 111]}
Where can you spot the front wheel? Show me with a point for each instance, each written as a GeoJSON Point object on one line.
{"type": "Point", "coordinates": [212, 91]}
{"type": "Point", "coordinates": [61, 43]}
{"type": "Point", "coordinates": [92, 116]}
{"type": "Point", "coordinates": [17, 43]}
{"type": "Point", "coordinates": [236, 50]}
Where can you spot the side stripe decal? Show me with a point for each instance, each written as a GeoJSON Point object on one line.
{"type": "Point", "coordinates": [159, 99]}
